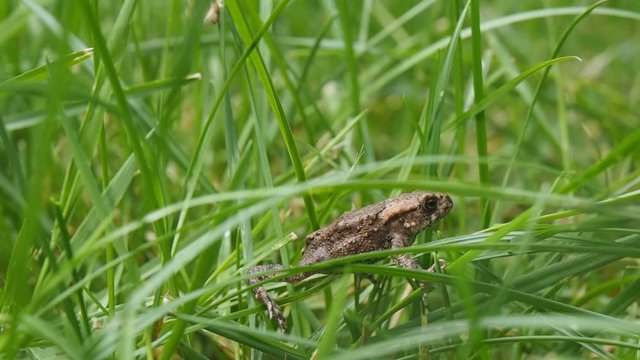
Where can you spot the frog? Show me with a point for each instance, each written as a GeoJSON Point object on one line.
{"type": "Point", "coordinates": [389, 224]}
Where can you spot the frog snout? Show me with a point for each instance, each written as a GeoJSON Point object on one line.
{"type": "Point", "coordinates": [445, 202]}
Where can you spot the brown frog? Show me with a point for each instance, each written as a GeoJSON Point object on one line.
{"type": "Point", "coordinates": [392, 223]}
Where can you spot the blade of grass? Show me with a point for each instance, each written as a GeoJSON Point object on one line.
{"type": "Point", "coordinates": [327, 342]}
{"type": "Point", "coordinates": [478, 96]}
{"type": "Point", "coordinates": [41, 72]}
{"type": "Point", "coordinates": [382, 80]}
{"type": "Point", "coordinates": [503, 90]}
{"type": "Point", "coordinates": [540, 86]}
{"type": "Point", "coordinates": [16, 294]}
{"type": "Point", "coordinates": [626, 147]}
{"type": "Point", "coordinates": [196, 163]}
{"type": "Point", "coordinates": [352, 73]}
{"type": "Point", "coordinates": [433, 117]}
{"type": "Point", "coordinates": [276, 107]}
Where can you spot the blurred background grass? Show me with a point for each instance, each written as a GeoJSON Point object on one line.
{"type": "Point", "coordinates": [149, 157]}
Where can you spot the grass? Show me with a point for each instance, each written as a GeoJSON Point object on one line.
{"type": "Point", "coordinates": [148, 159]}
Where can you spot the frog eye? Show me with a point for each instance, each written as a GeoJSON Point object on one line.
{"type": "Point", "coordinates": [430, 205]}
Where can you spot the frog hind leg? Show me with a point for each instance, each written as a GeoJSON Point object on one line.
{"type": "Point", "coordinates": [261, 294]}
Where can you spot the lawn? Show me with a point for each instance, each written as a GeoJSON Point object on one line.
{"type": "Point", "coordinates": [149, 158]}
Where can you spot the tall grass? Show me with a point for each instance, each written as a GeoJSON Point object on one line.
{"type": "Point", "coordinates": [149, 158]}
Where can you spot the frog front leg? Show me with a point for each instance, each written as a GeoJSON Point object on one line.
{"type": "Point", "coordinates": [399, 241]}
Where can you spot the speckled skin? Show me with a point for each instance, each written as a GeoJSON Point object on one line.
{"type": "Point", "coordinates": [392, 223]}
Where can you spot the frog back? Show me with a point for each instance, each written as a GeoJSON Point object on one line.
{"type": "Point", "coordinates": [352, 233]}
